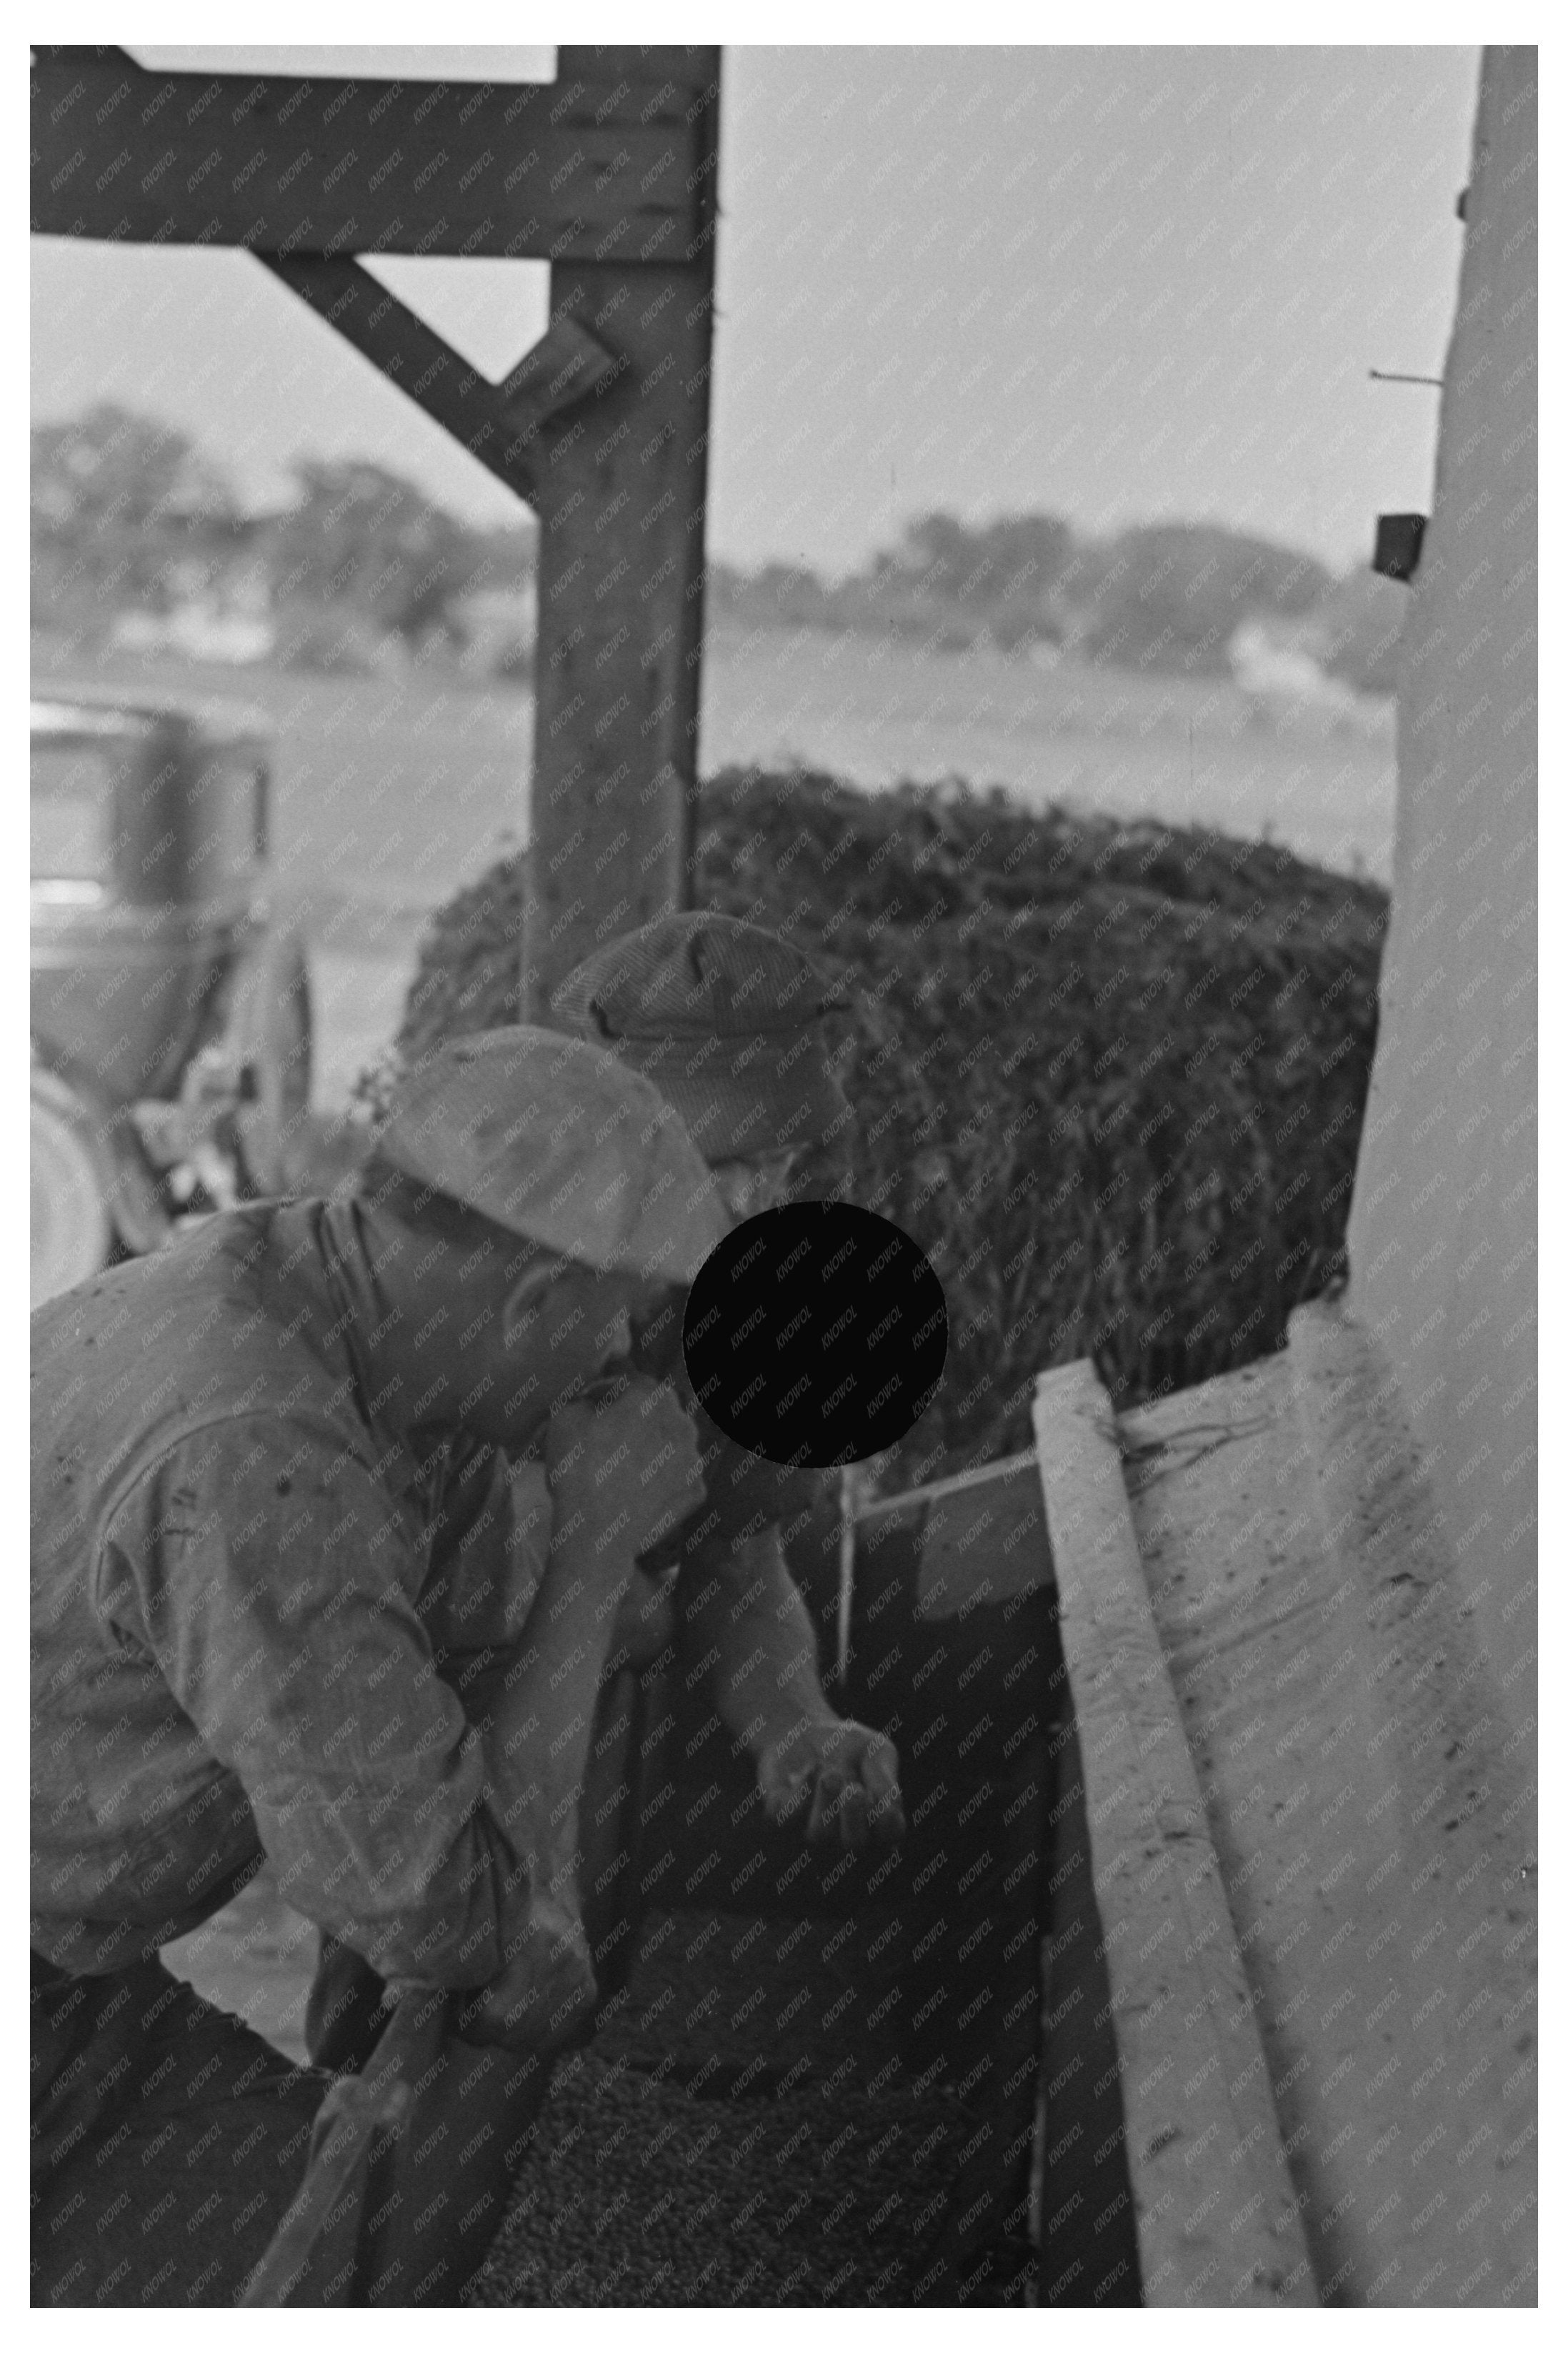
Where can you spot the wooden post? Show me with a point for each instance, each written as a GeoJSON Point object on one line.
{"type": "Point", "coordinates": [621, 491]}
{"type": "Point", "coordinates": [610, 174]}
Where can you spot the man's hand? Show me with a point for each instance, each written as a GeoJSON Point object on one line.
{"type": "Point", "coordinates": [544, 1998]}
{"type": "Point", "coordinates": [848, 1774]}
{"type": "Point", "coordinates": [632, 1453]}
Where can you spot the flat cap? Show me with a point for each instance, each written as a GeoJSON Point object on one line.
{"type": "Point", "coordinates": [556, 1140]}
{"type": "Point", "coordinates": [727, 1020]}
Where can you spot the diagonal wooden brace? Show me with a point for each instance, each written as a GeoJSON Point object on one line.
{"type": "Point", "coordinates": [411, 355]}
{"type": "Point", "coordinates": [495, 423]}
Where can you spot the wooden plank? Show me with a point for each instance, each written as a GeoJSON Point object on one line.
{"type": "Point", "coordinates": [566, 366]}
{"type": "Point", "coordinates": [1217, 2217]}
{"type": "Point", "coordinates": [497, 424]}
{"type": "Point", "coordinates": [448, 388]}
{"type": "Point", "coordinates": [622, 487]}
{"type": "Point", "coordinates": [613, 174]}
{"type": "Point", "coordinates": [595, 168]}
{"type": "Point", "coordinates": [1363, 1779]}
{"type": "Point", "coordinates": [1012, 1466]}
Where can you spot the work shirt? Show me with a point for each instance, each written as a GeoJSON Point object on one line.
{"type": "Point", "coordinates": [254, 1612]}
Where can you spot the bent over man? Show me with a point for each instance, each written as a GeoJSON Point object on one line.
{"type": "Point", "coordinates": [281, 1604]}
{"type": "Point", "coordinates": [732, 1024]}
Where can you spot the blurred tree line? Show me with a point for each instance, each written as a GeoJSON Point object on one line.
{"type": "Point", "coordinates": [1160, 597]}
{"type": "Point", "coordinates": [128, 516]}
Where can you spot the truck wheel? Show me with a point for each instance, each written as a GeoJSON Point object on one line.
{"type": "Point", "coordinates": [72, 1230]}
{"type": "Point", "coordinates": [270, 1032]}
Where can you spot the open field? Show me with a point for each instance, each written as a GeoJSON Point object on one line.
{"type": "Point", "coordinates": [389, 794]}
{"type": "Point", "coordinates": [1189, 752]}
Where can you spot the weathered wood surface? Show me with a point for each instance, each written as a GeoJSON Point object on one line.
{"type": "Point", "coordinates": [621, 493]}
{"type": "Point", "coordinates": [1361, 1774]}
{"type": "Point", "coordinates": [450, 390]}
{"type": "Point", "coordinates": [611, 174]}
{"type": "Point", "coordinates": [499, 424]}
{"type": "Point", "coordinates": [1442, 1237]}
{"type": "Point", "coordinates": [1216, 2213]}
{"type": "Point", "coordinates": [598, 166]}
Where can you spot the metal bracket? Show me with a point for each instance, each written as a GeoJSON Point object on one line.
{"type": "Point", "coordinates": [1398, 547]}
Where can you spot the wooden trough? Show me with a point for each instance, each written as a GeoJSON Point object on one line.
{"type": "Point", "coordinates": [1214, 1921]}
{"type": "Point", "coordinates": [1313, 1847]}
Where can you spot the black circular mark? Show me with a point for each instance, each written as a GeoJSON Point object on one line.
{"type": "Point", "coordinates": [815, 1334]}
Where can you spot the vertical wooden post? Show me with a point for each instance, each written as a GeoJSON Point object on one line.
{"type": "Point", "coordinates": [622, 485]}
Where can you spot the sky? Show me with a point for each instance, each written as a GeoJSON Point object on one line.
{"type": "Point", "coordinates": [1114, 284]}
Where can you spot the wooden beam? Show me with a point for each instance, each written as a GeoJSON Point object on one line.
{"type": "Point", "coordinates": [1217, 2217]}
{"type": "Point", "coordinates": [621, 497]}
{"type": "Point", "coordinates": [497, 424]}
{"type": "Point", "coordinates": [611, 171]}
{"type": "Point", "coordinates": [1366, 1782]}
{"type": "Point", "coordinates": [411, 355]}
{"type": "Point", "coordinates": [599, 167]}
{"type": "Point", "coordinates": [566, 366]}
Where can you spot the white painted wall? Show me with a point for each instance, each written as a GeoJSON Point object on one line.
{"type": "Point", "coordinates": [1442, 1231]}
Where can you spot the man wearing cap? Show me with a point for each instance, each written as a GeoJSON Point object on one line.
{"type": "Point", "coordinates": [731, 1023]}
{"type": "Point", "coordinates": [280, 1602]}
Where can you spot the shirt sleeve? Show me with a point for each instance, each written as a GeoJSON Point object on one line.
{"type": "Point", "coordinates": [275, 1582]}
{"type": "Point", "coordinates": [489, 1546]}
{"type": "Point", "coordinates": [745, 1492]}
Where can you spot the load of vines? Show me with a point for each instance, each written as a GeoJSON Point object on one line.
{"type": "Point", "coordinates": [1110, 1077]}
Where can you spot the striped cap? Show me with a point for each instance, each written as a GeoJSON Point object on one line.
{"type": "Point", "coordinates": [729, 1022]}
{"type": "Point", "coordinates": [554, 1139]}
